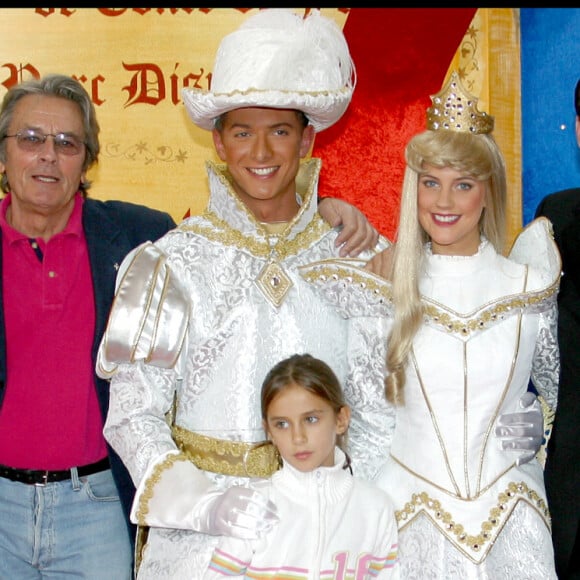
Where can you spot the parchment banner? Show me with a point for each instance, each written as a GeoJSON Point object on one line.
{"type": "Point", "coordinates": [133, 62]}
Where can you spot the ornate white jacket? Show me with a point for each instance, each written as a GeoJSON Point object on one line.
{"type": "Point", "coordinates": [200, 317]}
{"type": "Point", "coordinates": [490, 325]}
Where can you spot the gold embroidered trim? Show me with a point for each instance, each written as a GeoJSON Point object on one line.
{"type": "Point", "coordinates": [466, 326]}
{"type": "Point", "coordinates": [506, 502]}
{"type": "Point", "coordinates": [435, 313]}
{"type": "Point", "coordinates": [220, 230]}
{"type": "Point", "coordinates": [234, 458]}
{"type": "Point", "coordinates": [549, 416]}
{"type": "Point", "coordinates": [323, 272]}
{"type": "Point", "coordinates": [150, 485]}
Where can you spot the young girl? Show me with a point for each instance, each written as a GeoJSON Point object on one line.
{"type": "Point", "coordinates": [332, 525]}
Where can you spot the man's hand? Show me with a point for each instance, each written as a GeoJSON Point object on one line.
{"type": "Point", "coordinates": [239, 512]}
{"type": "Point", "coordinates": [523, 431]}
{"type": "Point", "coordinates": [357, 233]}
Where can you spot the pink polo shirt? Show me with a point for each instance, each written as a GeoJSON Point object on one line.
{"type": "Point", "coordinates": [50, 418]}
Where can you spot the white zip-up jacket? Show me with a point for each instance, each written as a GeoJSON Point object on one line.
{"type": "Point", "coordinates": [332, 526]}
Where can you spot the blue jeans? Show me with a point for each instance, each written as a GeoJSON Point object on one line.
{"type": "Point", "coordinates": [67, 529]}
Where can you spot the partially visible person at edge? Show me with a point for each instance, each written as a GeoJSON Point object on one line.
{"type": "Point", "coordinates": [562, 474]}
{"type": "Point", "coordinates": [329, 520]}
{"type": "Point", "coordinates": [467, 328]}
{"type": "Point", "coordinates": [203, 314]}
{"type": "Point", "coordinates": [62, 488]}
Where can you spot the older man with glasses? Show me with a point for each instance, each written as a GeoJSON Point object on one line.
{"type": "Point", "coordinates": [32, 140]}
{"type": "Point", "coordinates": [62, 488]}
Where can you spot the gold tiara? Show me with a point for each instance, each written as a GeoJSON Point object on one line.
{"type": "Point", "coordinates": [454, 109]}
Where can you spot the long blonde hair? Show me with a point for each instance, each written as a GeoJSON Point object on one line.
{"type": "Point", "coordinates": [476, 155]}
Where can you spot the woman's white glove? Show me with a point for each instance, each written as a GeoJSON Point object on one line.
{"type": "Point", "coordinates": [238, 511]}
{"type": "Point", "coordinates": [522, 431]}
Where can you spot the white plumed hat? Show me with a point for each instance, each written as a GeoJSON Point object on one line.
{"type": "Point", "coordinates": [280, 60]}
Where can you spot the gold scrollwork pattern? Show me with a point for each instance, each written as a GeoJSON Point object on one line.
{"type": "Point", "coordinates": [150, 485]}
{"type": "Point", "coordinates": [219, 230]}
{"type": "Point", "coordinates": [145, 153]}
{"type": "Point", "coordinates": [234, 458]}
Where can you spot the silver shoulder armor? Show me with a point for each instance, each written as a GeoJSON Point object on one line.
{"type": "Point", "coordinates": [149, 315]}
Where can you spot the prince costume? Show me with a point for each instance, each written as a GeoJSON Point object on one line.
{"type": "Point", "coordinates": [203, 314]}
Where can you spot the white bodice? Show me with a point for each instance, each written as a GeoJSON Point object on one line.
{"type": "Point", "coordinates": [490, 326]}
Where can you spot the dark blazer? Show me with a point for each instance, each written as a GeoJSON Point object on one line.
{"type": "Point", "coordinates": [112, 229]}
{"type": "Point", "coordinates": [562, 474]}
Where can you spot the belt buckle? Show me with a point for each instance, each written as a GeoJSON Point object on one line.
{"type": "Point", "coordinates": [44, 480]}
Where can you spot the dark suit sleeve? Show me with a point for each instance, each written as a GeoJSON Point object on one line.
{"type": "Point", "coordinates": [112, 229]}
{"type": "Point", "coordinates": [570, 251]}
{"type": "Point", "coordinates": [142, 223]}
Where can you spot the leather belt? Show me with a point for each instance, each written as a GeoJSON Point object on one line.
{"type": "Point", "coordinates": [42, 477]}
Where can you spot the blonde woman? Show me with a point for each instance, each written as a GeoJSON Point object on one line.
{"type": "Point", "coordinates": [467, 330]}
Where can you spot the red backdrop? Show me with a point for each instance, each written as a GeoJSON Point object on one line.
{"type": "Point", "coordinates": [401, 56]}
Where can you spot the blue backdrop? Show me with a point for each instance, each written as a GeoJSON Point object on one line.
{"type": "Point", "coordinates": [550, 58]}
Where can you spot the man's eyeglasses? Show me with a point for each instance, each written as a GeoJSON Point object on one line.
{"type": "Point", "coordinates": [32, 140]}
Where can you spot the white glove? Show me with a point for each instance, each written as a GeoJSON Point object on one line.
{"type": "Point", "coordinates": [523, 431]}
{"type": "Point", "coordinates": [238, 512]}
